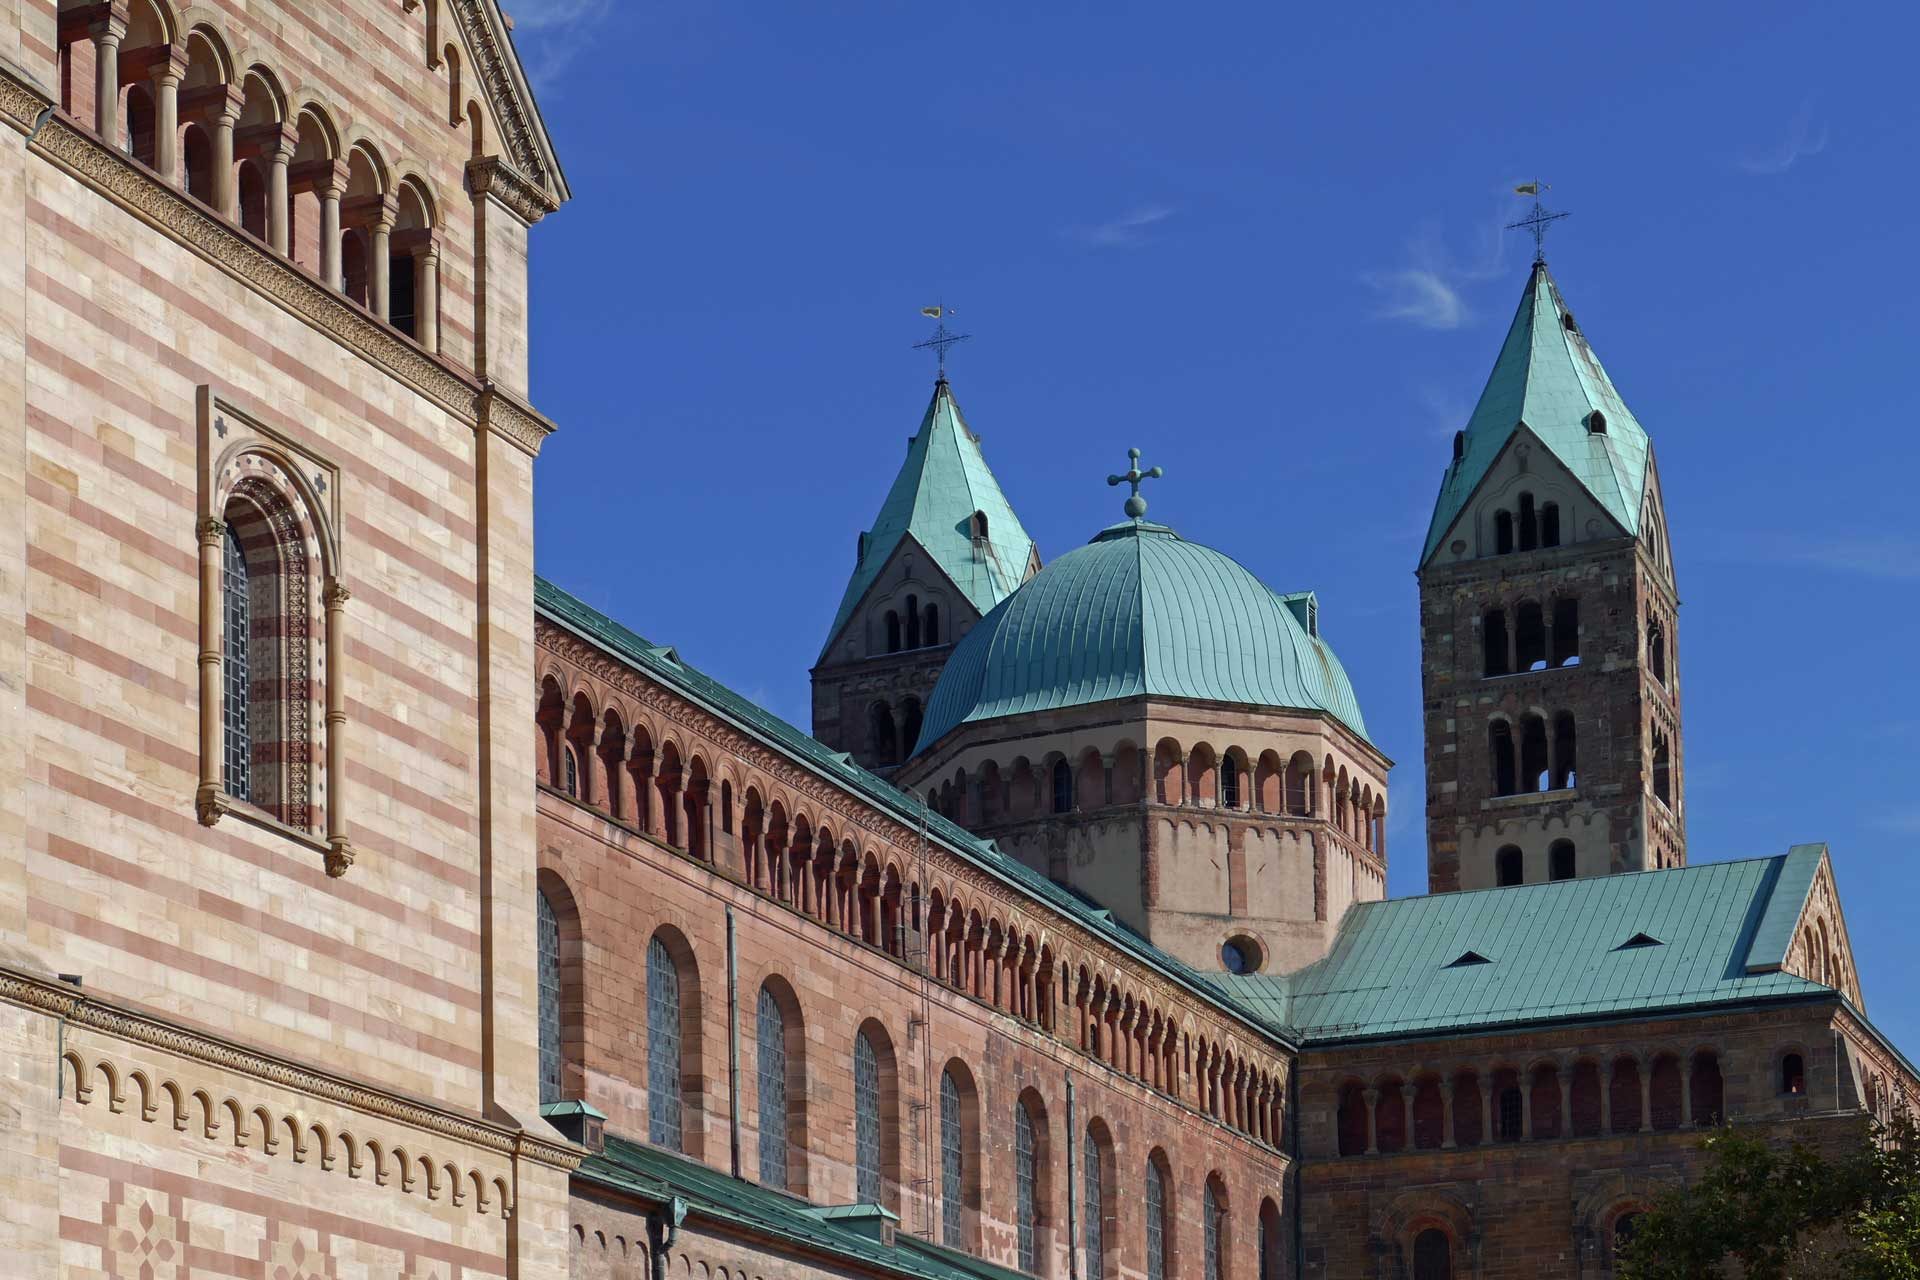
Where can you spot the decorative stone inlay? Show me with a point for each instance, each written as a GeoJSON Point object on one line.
{"type": "Point", "coordinates": [142, 1243]}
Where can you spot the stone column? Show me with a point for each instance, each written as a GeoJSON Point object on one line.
{"type": "Point", "coordinates": [167, 74]}
{"type": "Point", "coordinates": [212, 534]}
{"type": "Point", "coordinates": [1447, 1142]}
{"type": "Point", "coordinates": [1488, 1128]}
{"type": "Point", "coordinates": [277, 194]}
{"type": "Point", "coordinates": [1526, 1107]}
{"type": "Point", "coordinates": [1565, 1074]}
{"type": "Point", "coordinates": [330, 273]}
{"type": "Point", "coordinates": [107, 31]}
{"type": "Point", "coordinates": [1686, 1092]}
{"type": "Point", "coordinates": [1373, 1122]}
{"type": "Point", "coordinates": [1646, 1097]}
{"type": "Point", "coordinates": [339, 847]}
{"type": "Point", "coordinates": [1606, 1099]}
{"type": "Point", "coordinates": [1407, 1094]}
{"type": "Point", "coordinates": [426, 296]}
{"type": "Point", "coordinates": [226, 190]}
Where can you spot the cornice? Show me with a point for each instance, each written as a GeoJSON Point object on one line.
{"type": "Point", "coordinates": [22, 98]}
{"type": "Point", "coordinates": [513, 419]}
{"type": "Point", "coordinates": [526, 200]}
{"type": "Point", "coordinates": [514, 120]}
{"type": "Point", "coordinates": [60, 1000]}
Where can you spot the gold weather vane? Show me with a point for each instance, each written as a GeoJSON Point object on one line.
{"type": "Point", "coordinates": [1537, 219]}
{"type": "Point", "coordinates": [942, 338]}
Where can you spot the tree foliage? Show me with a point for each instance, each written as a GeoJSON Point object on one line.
{"type": "Point", "coordinates": [1846, 1211]}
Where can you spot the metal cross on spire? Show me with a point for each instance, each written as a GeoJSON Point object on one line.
{"type": "Point", "coordinates": [942, 337]}
{"type": "Point", "coordinates": [1136, 505]}
{"type": "Point", "coordinates": [1537, 219]}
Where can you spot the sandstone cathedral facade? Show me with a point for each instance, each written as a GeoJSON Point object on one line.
{"type": "Point", "coordinates": [371, 909]}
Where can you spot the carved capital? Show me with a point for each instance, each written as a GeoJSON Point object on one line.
{"type": "Point", "coordinates": [210, 804]}
{"type": "Point", "coordinates": [526, 200]}
{"type": "Point", "coordinates": [211, 531]}
{"type": "Point", "coordinates": [339, 856]}
{"type": "Point", "coordinates": [334, 596]}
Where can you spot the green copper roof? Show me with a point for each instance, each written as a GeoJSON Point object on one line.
{"type": "Point", "coordinates": [944, 480]}
{"type": "Point", "coordinates": [669, 669]}
{"type": "Point", "coordinates": [1139, 611]}
{"type": "Point", "coordinates": [1548, 378]}
{"type": "Point", "coordinates": [845, 1232]}
{"type": "Point", "coordinates": [1554, 951]}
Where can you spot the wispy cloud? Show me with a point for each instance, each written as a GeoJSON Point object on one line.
{"type": "Point", "coordinates": [1129, 230]}
{"type": "Point", "coordinates": [549, 34]}
{"type": "Point", "coordinates": [1804, 137]}
{"type": "Point", "coordinates": [1429, 289]}
{"type": "Point", "coordinates": [1890, 557]}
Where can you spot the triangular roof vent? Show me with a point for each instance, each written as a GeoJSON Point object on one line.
{"type": "Point", "coordinates": [1467, 958]}
{"type": "Point", "coordinates": [1639, 940]}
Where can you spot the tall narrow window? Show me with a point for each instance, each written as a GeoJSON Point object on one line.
{"type": "Point", "coordinates": [1793, 1075]}
{"type": "Point", "coordinates": [663, 1047]}
{"type": "Point", "coordinates": [1550, 525]}
{"type": "Point", "coordinates": [1530, 637]}
{"type": "Point", "coordinates": [1566, 632]}
{"type": "Point", "coordinates": [1502, 532]}
{"type": "Point", "coordinates": [1229, 783]}
{"type": "Point", "coordinates": [1500, 747]}
{"type": "Point", "coordinates": [1529, 524]}
{"type": "Point", "coordinates": [1156, 1222]}
{"type": "Point", "coordinates": [1560, 860]}
{"type": "Point", "coordinates": [1510, 1114]}
{"type": "Point", "coordinates": [1662, 767]}
{"type": "Point", "coordinates": [1269, 1241]}
{"type": "Point", "coordinates": [1493, 642]}
{"type": "Point", "coordinates": [1095, 1207]}
{"type": "Point", "coordinates": [235, 654]}
{"type": "Point", "coordinates": [1432, 1255]}
{"type": "Point", "coordinates": [549, 929]}
{"type": "Point", "coordinates": [1026, 1174]}
{"type": "Point", "coordinates": [893, 632]}
{"type": "Point", "coordinates": [1062, 787]}
{"type": "Point", "coordinates": [1533, 754]}
{"type": "Point", "coordinates": [1214, 1220]}
{"type": "Point", "coordinates": [866, 1120]}
{"type": "Point", "coordinates": [569, 770]}
{"type": "Point", "coordinates": [1657, 651]}
{"type": "Point", "coordinates": [1507, 867]}
{"type": "Point", "coordinates": [953, 1186]}
{"type": "Point", "coordinates": [770, 1034]}
{"type": "Point", "coordinates": [1566, 768]}
{"type": "Point", "coordinates": [930, 634]}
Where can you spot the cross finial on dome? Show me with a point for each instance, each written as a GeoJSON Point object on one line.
{"type": "Point", "coordinates": [1136, 505]}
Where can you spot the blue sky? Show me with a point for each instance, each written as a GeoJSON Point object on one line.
{"type": "Point", "coordinates": [1263, 243]}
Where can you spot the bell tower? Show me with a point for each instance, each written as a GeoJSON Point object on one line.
{"type": "Point", "coordinates": [1549, 627]}
{"type": "Point", "coordinates": [945, 548]}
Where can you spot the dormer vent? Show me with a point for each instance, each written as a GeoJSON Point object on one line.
{"type": "Point", "coordinates": [1638, 941]}
{"type": "Point", "coordinates": [1468, 958]}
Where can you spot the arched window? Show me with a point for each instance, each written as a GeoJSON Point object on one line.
{"type": "Point", "coordinates": [866, 1120]}
{"type": "Point", "coordinates": [141, 134]}
{"type": "Point", "coordinates": [726, 807]}
{"type": "Point", "coordinates": [1529, 524]}
{"type": "Point", "coordinates": [1270, 1264]}
{"type": "Point", "coordinates": [1500, 748]}
{"type": "Point", "coordinates": [1566, 771]}
{"type": "Point", "coordinates": [1550, 524]}
{"type": "Point", "coordinates": [1093, 1180]}
{"type": "Point", "coordinates": [770, 1039]}
{"type": "Point", "coordinates": [569, 770]}
{"type": "Point", "coordinates": [1026, 1176]}
{"type": "Point", "coordinates": [977, 527]}
{"type": "Point", "coordinates": [1493, 641]}
{"type": "Point", "coordinates": [953, 1169]}
{"type": "Point", "coordinates": [549, 944]}
{"type": "Point", "coordinates": [236, 646]}
{"type": "Point", "coordinates": [1793, 1075]}
{"type": "Point", "coordinates": [1213, 1225]}
{"type": "Point", "coordinates": [1509, 867]}
{"type": "Point", "coordinates": [1509, 1111]}
{"type": "Point", "coordinates": [1350, 1121]}
{"type": "Point", "coordinates": [1062, 787]}
{"type": "Point", "coordinates": [1229, 782]}
{"type": "Point", "coordinates": [931, 630]}
{"type": "Point", "coordinates": [253, 200]}
{"type": "Point", "coordinates": [198, 151]}
{"type": "Point", "coordinates": [910, 719]}
{"type": "Point", "coordinates": [1502, 532]}
{"type": "Point", "coordinates": [893, 632]}
{"type": "Point", "coordinates": [1624, 1228]}
{"type": "Point", "coordinates": [1432, 1255]}
{"type": "Point", "coordinates": [1560, 860]}
{"type": "Point", "coordinates": [1708, 1091]}
{"type": "Point", "coordinates": [1157, 1232]}
{"type": "Point", "coordinates": [1662, 784]}
{"type": "Point", "coordinates": [1530, 637]}
{"type": "Point", "coordinates": [1657, 651]}
{"type": "Point", "coordinates": [913, 622]}
{"type": "Point", "coordinates": [1566, 632]}
{"type": "Point", "coordinates": [663, 1047]}
{"type": "Point", "coordinates": [882, 738]}
{"type": "Point", "coordinates": [1533, 753]}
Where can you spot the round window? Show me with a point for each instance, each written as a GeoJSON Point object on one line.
{"type": "Point", "coordinates": [1241, 954]}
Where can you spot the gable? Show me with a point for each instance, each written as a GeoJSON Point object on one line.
{"type": "Point", "coordinates": [908, 571]}
{"type": "Point", "coordinates": [493, 66]}
{"type": "Point", "coordinates": [1524, 465]}
{"type": "Point", "coordinates": [1804, 932]}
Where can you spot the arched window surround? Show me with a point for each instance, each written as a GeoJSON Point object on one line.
{"type": "Point", "coordinates": [780, 1076]}
{"type": "Point", "coordinates": [958, 1184]}
{"type": "Point", "coordinates": [283, 500]}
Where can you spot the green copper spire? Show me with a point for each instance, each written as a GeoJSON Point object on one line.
{"type": "Point", "coordinates": [1548, 380]}
{"type": "Point", "coordinates": [947, 500]}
